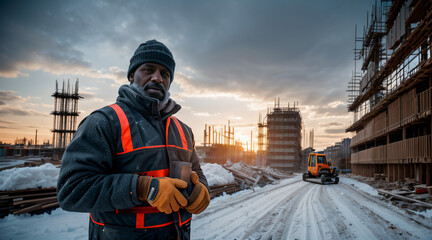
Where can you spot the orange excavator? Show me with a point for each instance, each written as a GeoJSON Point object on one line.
{"type": "Point", "coordinates": [320, 171]}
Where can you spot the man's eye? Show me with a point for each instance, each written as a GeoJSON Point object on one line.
{"type": "Point", "coordinates": [165, 74]}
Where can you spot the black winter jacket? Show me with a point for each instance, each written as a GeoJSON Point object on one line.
{"type": "Point", "coordinates": [95, 178]}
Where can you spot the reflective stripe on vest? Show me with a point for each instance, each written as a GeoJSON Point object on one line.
{"type": "Point", "coordinates": [180, 221]}
{"type": "Point", "coordinates": [127, 144]}
{"type": "Point", "coordinates": [126, 137]}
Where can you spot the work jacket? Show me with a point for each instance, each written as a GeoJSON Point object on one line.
{"type": "Point", "coordinates": [111, 148]}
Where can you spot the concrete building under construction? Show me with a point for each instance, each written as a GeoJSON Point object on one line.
{"type": "Point", "coordinates": [283, 145]}
{"type": "Point", "coordinates": [391, 95]}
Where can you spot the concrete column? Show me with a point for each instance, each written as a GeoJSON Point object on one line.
{"type": "Point", "coordinates": [389, 173]}
{"type": "Point", "coordinates": [399, 172]}
{"type": "Point", "coordinates": [428, 174]}
{"type": "Point", "coordinates": [421, 173]}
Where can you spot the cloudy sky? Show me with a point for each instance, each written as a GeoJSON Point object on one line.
{"type": "Point", "coordinates": [233, 58]}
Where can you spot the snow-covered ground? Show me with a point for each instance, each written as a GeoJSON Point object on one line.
{"type": "Point", "coordinates": [292, 209]}
{"type": "Point", "coordinates": [295, 209]}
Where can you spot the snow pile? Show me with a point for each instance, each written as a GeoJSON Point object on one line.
{"type": "Point", "coordinates": [216, 174]}
{"type": "Point", "coordinates": [59, 224]}
{"type": "Point", "coordinates": [29, 177]}
{"type": "Point", "coordinates": [361, 186]}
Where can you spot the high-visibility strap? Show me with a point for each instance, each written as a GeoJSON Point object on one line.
{"type": "Point", "coordinates": [156, 146]}
{"type": "Point", "coordinates": [166, 129]}
{"type": "Point", "coordinates": [98, 223]}
{"type": "Point", "coordinates": [174, 146]}
{"type": "Point", "coordinates": [139, 222]}
{"type": "Point", "coordinates": [126, 138]}
{"type": "Point", "coordinates": [156, 173]}
{"type": "Point", "coordinates": [182, 135]}
{"type": "Point", "coordinates": [180, 221]}
{"type": "Point", "coordinates": [140, 213]}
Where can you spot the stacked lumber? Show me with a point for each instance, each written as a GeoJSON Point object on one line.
{"type": "Point", "coordinates": [220, 189]}
{"type": "Point", "coordinates": [249, 176]}
{"type": "Point", "coordinates": [406, 199]}
{"type": "Point", "coordinates": [36, 200]}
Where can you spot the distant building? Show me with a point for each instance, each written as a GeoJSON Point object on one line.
{"type": "Point", "coordinates": [284, 138]}
{"type": "Point", "coordinates": [340, 154]}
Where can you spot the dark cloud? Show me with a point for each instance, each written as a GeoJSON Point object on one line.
{"type": "Point", "coordinates": [8, 96]}
{"type": "Point", "coordinates": [294, 48]}
{"type": "Point", "coordinates": [335, 131]}
{"type": "Point", "coordinates": [332, 124]}
{"type": "Point", "coordinates": [339, 110]}
{"type": "Point", "coordinates": [87, 95]}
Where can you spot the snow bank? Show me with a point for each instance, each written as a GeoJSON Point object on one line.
{"type": "Point", "coordinates": [361, 186]}
{"type": "Point", "coordinates": [59, 224]}
{"type": "Point", "coordinates": [216, 174]}
{"type": "Point", "coordinates": [29, 177]}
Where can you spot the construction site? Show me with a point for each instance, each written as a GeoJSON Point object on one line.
{"type": "Point", "coordinates": [279, 141]}
{"type": "Point", "coordinates": [65, 116]}
{"type": "Point", "coordinates": [390, 93]}
{"type": "Point", "coordinates": [263, 180]}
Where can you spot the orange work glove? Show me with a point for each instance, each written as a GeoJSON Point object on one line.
{"type": "Point", "coordinates": [199, 199]}
{"type": "Point", "coordinates": [162, 193]}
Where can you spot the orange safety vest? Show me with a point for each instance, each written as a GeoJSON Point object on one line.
{"type": "Point", "coordinates": [178, 141]}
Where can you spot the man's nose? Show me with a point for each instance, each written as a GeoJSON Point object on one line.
{"type": "Point", "coordinates": [156, 76]}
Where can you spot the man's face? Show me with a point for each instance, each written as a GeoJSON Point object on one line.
{"type": "Point", "coordinates": [153, 78]}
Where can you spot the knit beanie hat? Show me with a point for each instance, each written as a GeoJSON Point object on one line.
{"type": "Point", "coordinates": [152, 51]}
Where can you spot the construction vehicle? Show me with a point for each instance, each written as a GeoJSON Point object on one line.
{"type": "Point", "coordinates": [319, 170]}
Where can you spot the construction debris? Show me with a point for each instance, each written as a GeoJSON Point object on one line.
{"type": "Point", "coordinates": [397, 196]}
{"type": "Point", "coordinates": [36, 200]}
{"type": "Point", "coordinates": [401, 193]}
{"type": "Point", "coordinates": [247, 177]}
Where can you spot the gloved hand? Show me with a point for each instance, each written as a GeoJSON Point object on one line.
{"type": "Point", "coordinates": [162, 193]}
{"type": "Point", "coordinates": [199, 199]}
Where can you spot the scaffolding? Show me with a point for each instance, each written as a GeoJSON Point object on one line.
{"type": "Point", "coordinates": [392, 108]}
{"type": "Point", "coordinates": [220, 146]}
{"type": "Point", "coordinates": [65, 116]}
{"type": "Point", "coordinates": [283, 148]}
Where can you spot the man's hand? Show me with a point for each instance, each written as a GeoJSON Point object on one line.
{"type": "Point", "coordinates": [200, 196]}
{"type": "Point", "coordinates": [162, 193]}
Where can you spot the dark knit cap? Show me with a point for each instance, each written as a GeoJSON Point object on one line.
{"type": "Point", "coordinates": [155, 52]}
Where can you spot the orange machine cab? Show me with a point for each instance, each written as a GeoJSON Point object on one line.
{"type": "Point", "coordinates": [316, 163]}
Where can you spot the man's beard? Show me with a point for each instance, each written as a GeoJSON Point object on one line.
{"type": "Point", "coordinates": [146, 90]}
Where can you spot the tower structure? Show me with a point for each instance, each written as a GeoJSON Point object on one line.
{"type": "Point", "coordinates": [284, 138]}
{"type": "Point", "coordinates": [65, 115]}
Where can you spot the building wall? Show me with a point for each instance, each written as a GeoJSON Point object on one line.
{"type": "Point", "coordinates": [393, 110]}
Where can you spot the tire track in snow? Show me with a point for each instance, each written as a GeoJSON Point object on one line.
{"type": "Point", "coordinates": [248, 212]}
{"type": "Point", "coordinates": [247, 195]}
{"type": "Point", "coordinates": [265, 227]}
{"type": "Point", "coordinates": [302, 210]}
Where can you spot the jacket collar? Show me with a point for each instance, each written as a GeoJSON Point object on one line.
{"type": "Point", "coordinates": [145, 105]}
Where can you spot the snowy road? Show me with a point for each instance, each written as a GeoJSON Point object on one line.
{"type": "Point", "coordinates": [299, 210]}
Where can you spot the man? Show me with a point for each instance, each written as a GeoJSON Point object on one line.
{"type": "Point", "coordinates": [122, 164]}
